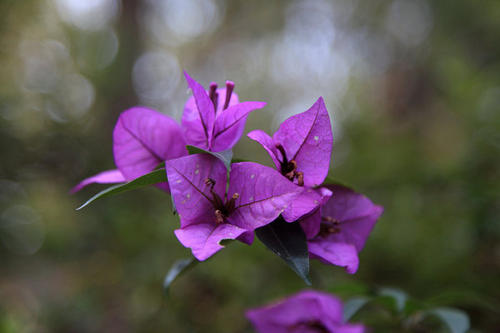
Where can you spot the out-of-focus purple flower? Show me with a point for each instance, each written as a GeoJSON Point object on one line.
{"type": "Point", "coordinates": [301, 150]}
{"type": "Point", "coordinates": [256, 196]}
{"type": "Point", "coordinates": [337, 231]}
{"type": "Point", "coordinates": [215, 120]}
{"type": "Point", "coordinates": [142, 139]}
{"type": "Point", "coordinates": [305, 312]}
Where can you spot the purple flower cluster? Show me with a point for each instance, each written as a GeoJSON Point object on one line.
{"type": "Point", "coordinates": [305, 312]}
{"type": "Point", "coordinates": [215, 203]}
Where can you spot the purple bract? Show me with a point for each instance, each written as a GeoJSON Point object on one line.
{"type": "Point", "coordinates": [301, 150]}
{"type": "Point", "coordinates": [256, 196]}
{"type": "Point", "coordinates": [337, 231]}
{"type": "Point", "coordinates": [305, 312]}
{"type": "Point", "coordinates": [142, 139]}
{"type": "Point", "coordinates": [215, 120]}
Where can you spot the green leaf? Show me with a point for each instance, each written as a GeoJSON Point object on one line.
{"type": "Point", "coordinates": [353, 305]}
{"type": "Point", "coordinates": [180, 266]}
{"type": "Point", "coordinates": [288, 241]}
{"type": "Point", "coordinates": [154, 177]}
{"type": "Point", "coordinates": [238, 160]}
{"type": "Point", "coordinates": [225, 156]}
{"type": "Point", "coordinates": [397, 295]}
{"type": "Point", "coordinates": [456, 320]}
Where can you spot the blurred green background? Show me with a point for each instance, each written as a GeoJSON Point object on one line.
{"type": "Point", "coordinates": [413, 90]}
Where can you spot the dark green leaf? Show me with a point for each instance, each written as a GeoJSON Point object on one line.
{"type": "Point", "coordinates": [179, 267]}
{"type": "Point", "coordinates": [353, 305]}
{"type": "Point", "coordinates": [288, 241]}
{"type": "Point", "coordinates": [456, 320]}
{"type": "Point", "coordinates": [154, 177]}
{"type": "Point", "coordinates": [397, 295]}
{"type": "Point", "coordinates": [225, 156]}
{"type": "Point", "coordinates": [238, 160]}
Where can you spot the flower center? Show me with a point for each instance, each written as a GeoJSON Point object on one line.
{"type": "Point", "coordinates": [214, 95]}
{"type": "Point", "coordinates": [329, 225]}
{"type": "Point", "coordinates": [222, 210]}
{"type": "Point", "coordinates": [289, 168]}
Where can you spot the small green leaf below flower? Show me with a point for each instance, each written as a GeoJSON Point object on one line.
{"type": "Point", "coordinates": [154, 177]}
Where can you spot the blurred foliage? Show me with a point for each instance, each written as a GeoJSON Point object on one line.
{"type": "Point", "coordinates": [413, 90]}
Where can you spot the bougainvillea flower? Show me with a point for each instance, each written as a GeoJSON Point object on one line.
{"type": "Point", "coordinates": [256, 196]}
{"type": "Point", "coordinates": [345, 222]}
{"type": "Point", "coordinates": [301, 150]}
{"type": "Point", "coordinates": [215, 120]}
{"type": "Point", "coordinates": [305, 312]}
{"type": "Point", "coordinates": [142, 139]}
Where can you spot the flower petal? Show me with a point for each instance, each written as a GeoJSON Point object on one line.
{"type": "Point", "coordinates": [104, 177]}
{"type": "Point", "coordinates": [297, 312]}
{"type": "Point", "coordinates": [355, 212]}
{"type": "Point", "coordinates": [263, 194]}
{"type": "Point", "coordinates": [205, 115]}
{"type": "Point", "coordinates": [192, 126]}
{"type": "Point", "coordinates": [305, 203]}
{"type": "Point", "coordinates": [230, 123]}
{"type": "Point", "coordinates": [144, 138]}
{"type": "Point", "coordinates": [312, 222]}
{"type": "Point", "coordinates": [192, 197]}
{"type": "Point", "coordinates": [204, 238]}
{"type": "Point", "coordinates": [307, 139]}
{"type": "Point", "coordinates": [194, 133]}
{"type": "Point", "coordinates": [267, 142]}
{"type": "Point", "coordinates": [247, 237]}
{"type": "Point", "coordinates": [331, 252]}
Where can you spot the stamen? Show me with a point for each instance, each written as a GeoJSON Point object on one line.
{"type": "Point", "coordinates": [216, 200]}
{"type": "Point", "coordinates": [300, 178]}
{"type": "Point", "coordinates": [214, 97]}
{"type": "Point", "coordinates": [219, 217]}
{"type": "Point", "coordinates": [284, 161]}
{"type": "Point", "coordinates": [331, 227]}
{"type": "Point", "coordinates": [231, 203]}
{"type": "Point", "coordinates": [212, 90]}
{"type": "Point", "coordinates": [229, 92]}
{"type": "Point", "coordinates": [216, 101]}
{"type": "Point", "coordinates": [291, 167]}
{"type": "Point", "coordinates": [330, 219]}
{"type": "Point", "coordinates": [210, 182]}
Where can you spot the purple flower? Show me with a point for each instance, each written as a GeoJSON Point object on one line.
{"type": "Point", "coordinates": [215, 120]}
{"type": "Point", "coordinates": [142, 139]}
{"type": "Point", "coordinates": [256, 196]}
{"type": "Point", "coordinates": [301, 150]}
{"type": "Point", "coordinates": [305, 312]}
{"type": "Point", "coordinates": [337, 231]}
